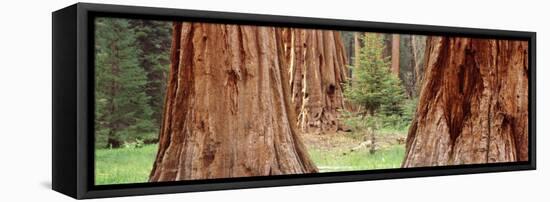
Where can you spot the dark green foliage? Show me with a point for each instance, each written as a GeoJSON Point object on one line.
{"type": "Point", "coordinates": [153, 38]}
{"type": "Point", "coordinates": [122, 111]}
{"type": "Point", "coordinates": [374, 88]}
{"type": "Point", "coordinates": [400, 122]}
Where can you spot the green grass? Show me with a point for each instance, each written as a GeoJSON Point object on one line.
{"type": "Point", "coordinates": [333, 161]}
{"type": "Point", "coordinates": [124, 165]}
{"type": "Point", "coordinates": [383, 131]}
{"type": "Point", "coordinates": [133, 165]}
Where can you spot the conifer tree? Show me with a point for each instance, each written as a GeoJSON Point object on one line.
{"type": "Point", "coordinates": [153, 39]}
{"type": "Point", "coordinates": [121, 109]}
{"type": "Point", "coordinates": [374, 87]}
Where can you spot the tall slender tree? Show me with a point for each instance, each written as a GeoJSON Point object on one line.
{"type": "Point", "coordinates": [418, 44]}
{"type": "Point", "coordinates": [153, 40]}
{"type": "Point", "coordinates": [406, 66]}
{"type": "Point", "coordinates": [395, 39]}
{"type": "Point", "coordinates": [374, 87]}
{"type": "Point", "coordinates": [357, 49]}
{"type": "Point", "coordinates": [122, 113]}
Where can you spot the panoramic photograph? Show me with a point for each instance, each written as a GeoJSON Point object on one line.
{"type": "Point", "coordinates": [177, 101]}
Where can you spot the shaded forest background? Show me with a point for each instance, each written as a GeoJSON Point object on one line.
{"type": "Point", "coordinates": [132, 64]}
{"type": "Point", "coordinates": [132, 60]}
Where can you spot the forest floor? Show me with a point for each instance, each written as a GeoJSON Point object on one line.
{"type": "Point", "coordinates": [350, 152]}
{"type": "Point", "coordinates": [330, 152]}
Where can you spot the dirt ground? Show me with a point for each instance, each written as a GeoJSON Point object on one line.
{"type": "Point", "coordinates": [345, 141]}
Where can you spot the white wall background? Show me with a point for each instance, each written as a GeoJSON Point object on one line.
{"type": "Point", "coordinates": [25, 100]}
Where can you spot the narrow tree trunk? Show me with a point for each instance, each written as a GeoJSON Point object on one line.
{"type": "Point", "coordinates": [416, 57]}
{"type": "Point", "coordinates": [473, 106]}
{"type": "Point", "coordinates": [395, 54]}
{"type": "Point", "coordinates": [418, 44]}
{"type": "Point", "coordinates": [227, 113]}
{"type": "Point", "coordinates": [387, 38]}
{"type": "Point", "coordinates": [372, 148]}
{"type": "Point", "coordinates": [406, 65]}
{"type": "Point", "coordinates": [316, 62]}
{"type": "Point", "coordinates": [356, 49]}
{"type": "Point", "coordinates": [112, 142]}
{"type": "Point", "coordinates": [416, 64]}
{"type": "Point", "coordinates": [113, 126]}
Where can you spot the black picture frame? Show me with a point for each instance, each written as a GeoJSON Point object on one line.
{"type": "Point", "coordinates": [73, 103]}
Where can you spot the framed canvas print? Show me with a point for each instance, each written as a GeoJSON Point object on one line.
{"type": "Point", "coordinates": [155, 100]}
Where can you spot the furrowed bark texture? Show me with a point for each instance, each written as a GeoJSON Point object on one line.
{"type": "Point", "coordinates": [473, 106]}
{"type": "Point", "coordinates": [317, 66]}
{"type": "Point", "coordinates": [226, 111]}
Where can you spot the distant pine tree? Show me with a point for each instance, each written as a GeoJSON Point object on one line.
{"type": "Point", "coordinates": [122, 110]}
{"type": "Point", "coordinates": [374, 87]}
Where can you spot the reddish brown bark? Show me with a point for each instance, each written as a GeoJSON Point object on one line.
{"type": "Point", "coordinates": [226, 110]}
{"type": "Point", "coordinates": [395, 40]}
{"type": "Point", "coordinates": [473, 106]}
{"type": "Point", "coordinates": [316, 63]}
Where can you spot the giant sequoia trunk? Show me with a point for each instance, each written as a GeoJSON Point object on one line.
{"type": "Point", "coordinates": [473, 106]}
{"type": "Point", "coordinates": [316, 63]}
{"type": "Point", "coordinates": [226, 111]}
